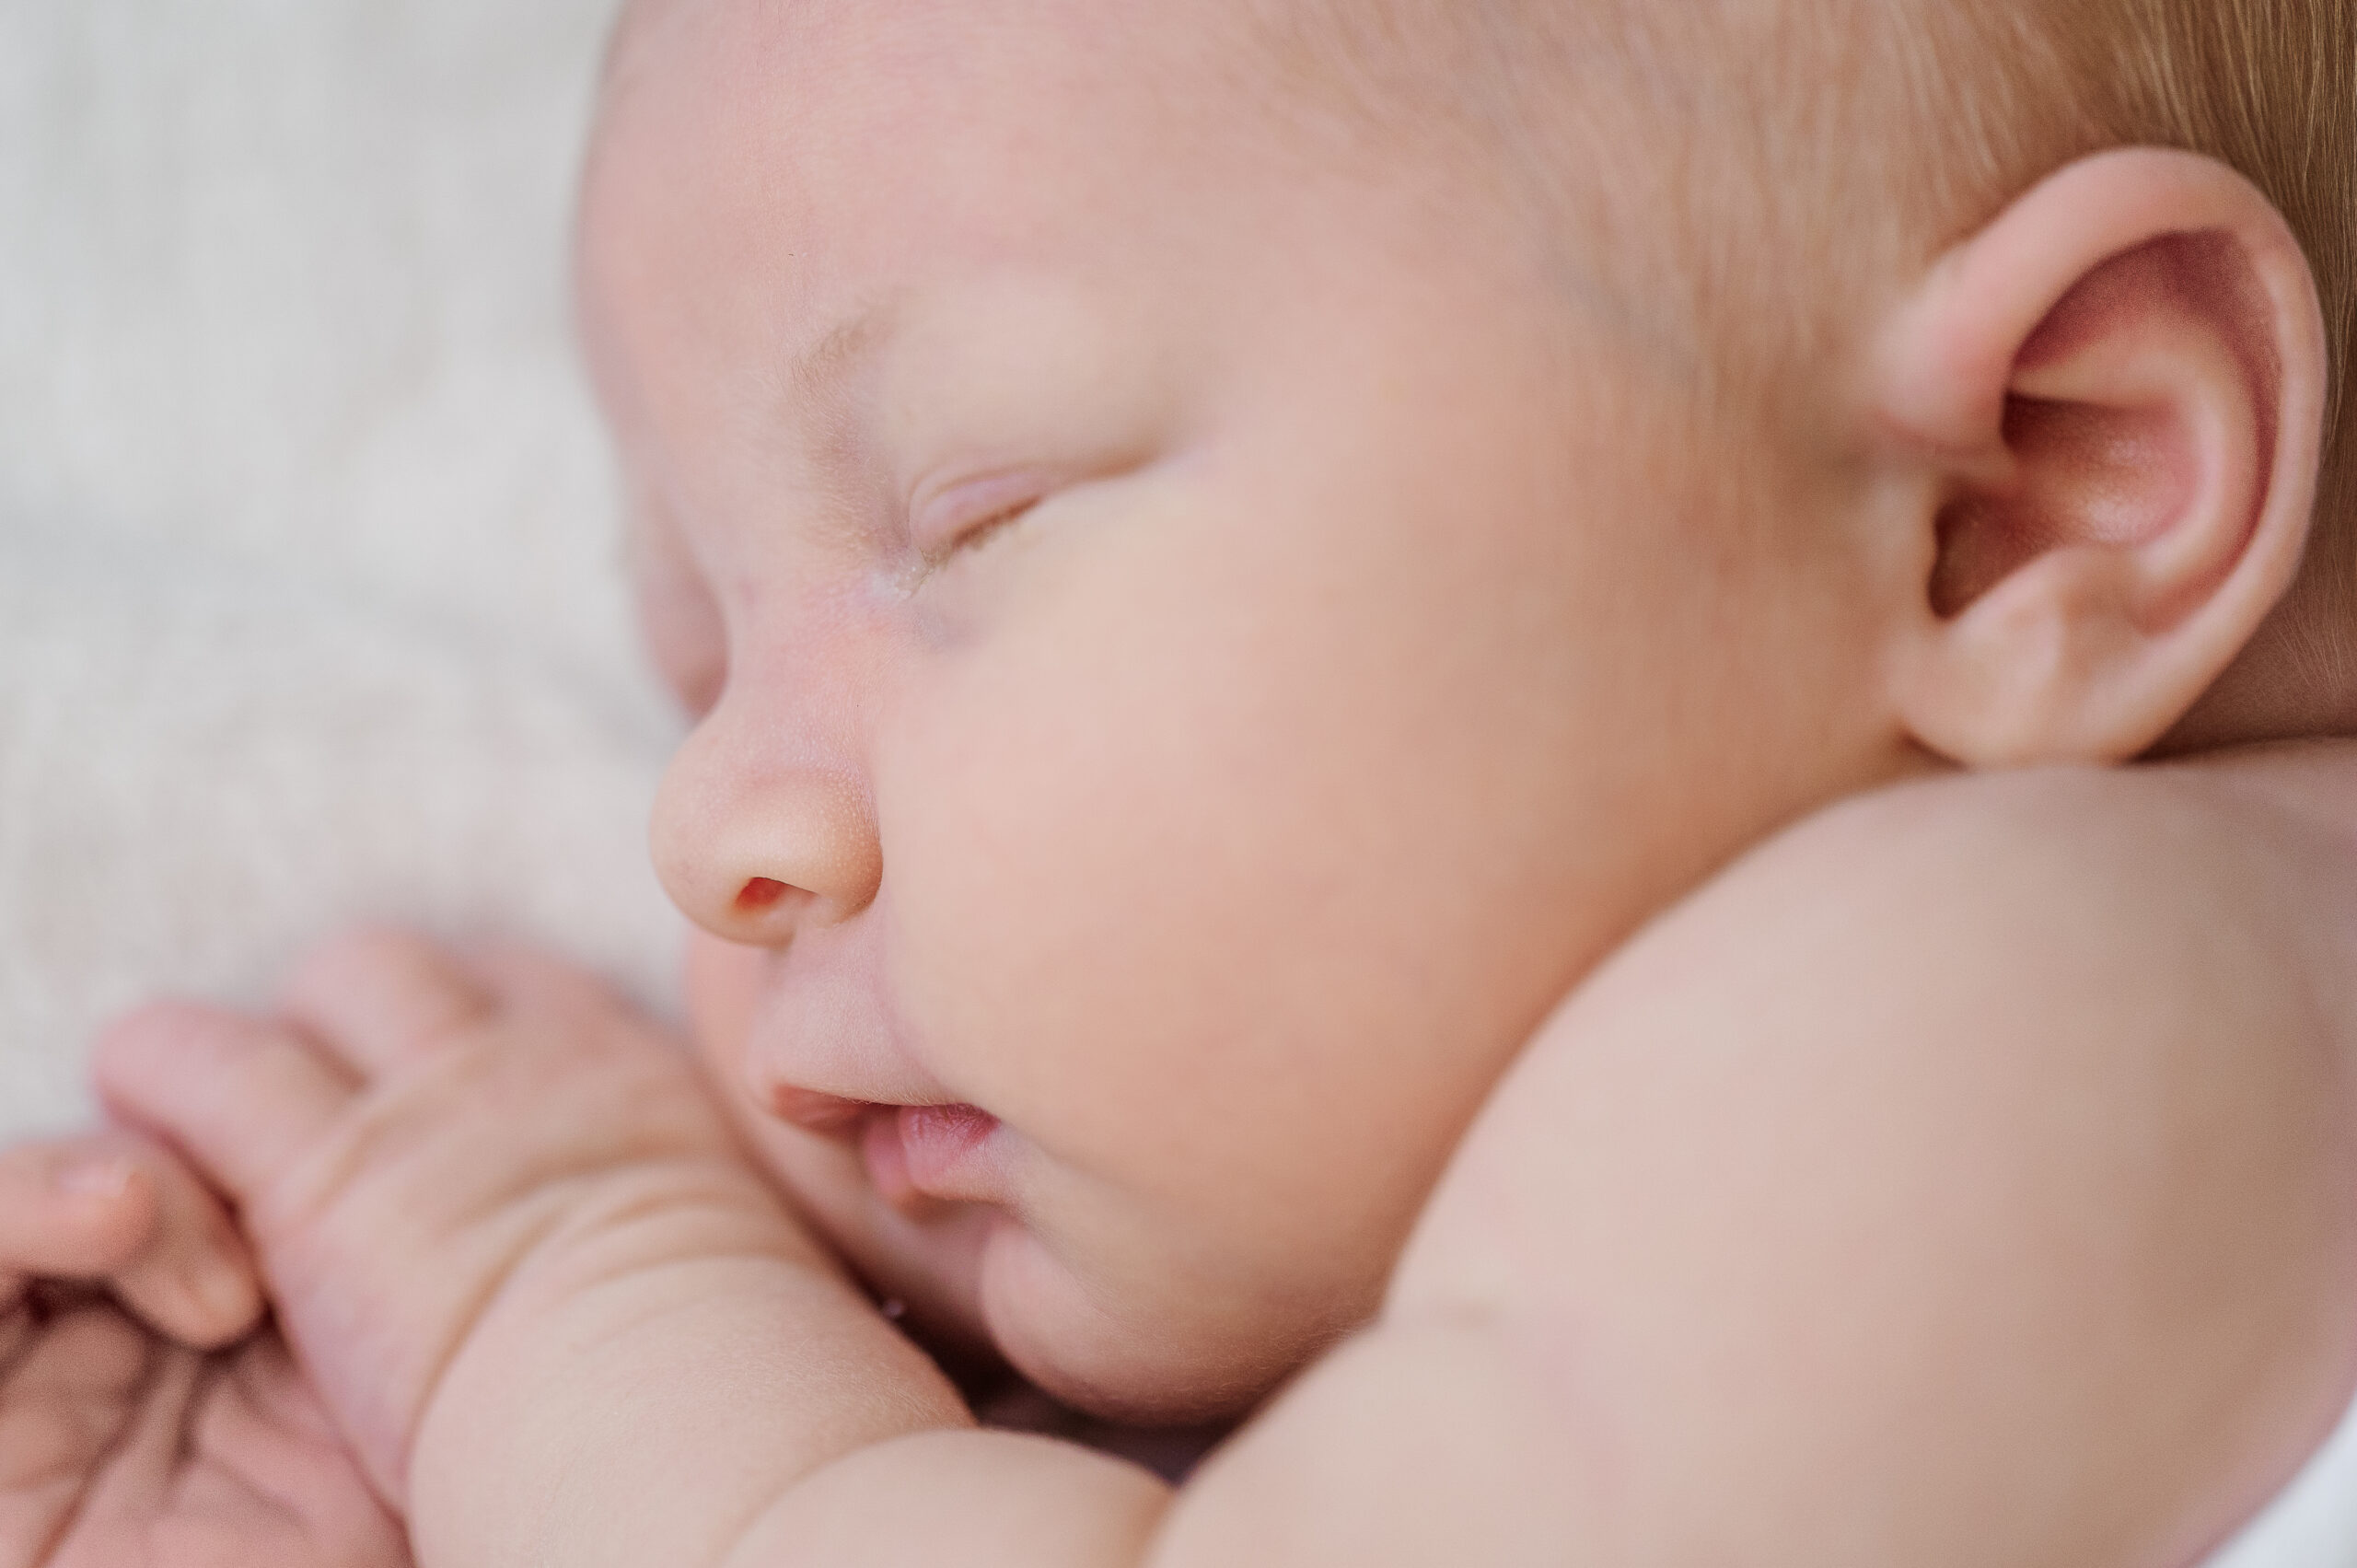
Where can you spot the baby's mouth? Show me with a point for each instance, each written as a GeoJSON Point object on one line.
{"type": "Point", "coordinates": [919, 1152]}
{"type": "Point", "coordinates": [915, 1153]}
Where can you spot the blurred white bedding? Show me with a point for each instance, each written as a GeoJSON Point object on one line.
{"type": "Point", "coordinates": [307, 603]}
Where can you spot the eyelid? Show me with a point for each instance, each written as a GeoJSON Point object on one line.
{"type": "Point", "coordinates": [940, 518]}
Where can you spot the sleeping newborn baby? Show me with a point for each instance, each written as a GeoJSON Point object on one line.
{"type": "Point", "coordinates": [1412, 717]}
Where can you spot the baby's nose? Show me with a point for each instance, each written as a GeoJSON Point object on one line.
{"type": "Point", "coordinates": [754, 849]}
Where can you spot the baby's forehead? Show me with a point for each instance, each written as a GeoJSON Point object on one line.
{"type": "Point", "coordinates": [1348, 54]}
{"type": "Point", "coordinates": [1043, 98]}
{"type": "Point", "coordinates": [907, 153]}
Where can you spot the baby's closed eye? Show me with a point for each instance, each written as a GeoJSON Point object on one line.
{"type": "Point", "coordinates": [965, 512]}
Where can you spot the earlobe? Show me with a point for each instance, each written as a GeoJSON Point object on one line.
{"type": "Point", "coordinates": [2109, 405]}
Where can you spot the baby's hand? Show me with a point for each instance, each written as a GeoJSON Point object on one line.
{"type": "Point", "coordinates": [122, 1445]}
{"type": "Point", "coordinates": [421, 1147]}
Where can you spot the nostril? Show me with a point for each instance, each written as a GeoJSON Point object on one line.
{"type": "Point", "coordinates": [758, 894]}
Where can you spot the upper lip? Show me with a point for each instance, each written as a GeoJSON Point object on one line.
{"type": "Point", "coordinates": [818, 1111]}
{"type": "Point", "coordinates": [823, 1045]}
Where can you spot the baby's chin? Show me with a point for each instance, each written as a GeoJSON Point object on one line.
{"type": "Point", "coordinates": [976, 1285]}
{"type": "Point", "coordinates": [1144, 1357]}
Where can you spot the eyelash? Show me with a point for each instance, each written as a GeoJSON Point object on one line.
{"type": "Point", "coordinates": [993, 504]}
{"type": "Point", "coordinates": [975, 535]}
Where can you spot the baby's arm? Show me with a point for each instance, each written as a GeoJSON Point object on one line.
{"type": "Point", "coordinates": [1964, 1179]}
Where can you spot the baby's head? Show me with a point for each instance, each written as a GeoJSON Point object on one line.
{"type": "Point", "coordinates": [1226, 551]}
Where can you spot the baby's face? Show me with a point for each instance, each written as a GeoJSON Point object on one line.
{"type": "Point", "coordinates": [1195, 655]}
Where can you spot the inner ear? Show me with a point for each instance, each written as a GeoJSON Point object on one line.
{"type": "Point", "coordinates": [2086, 474]}
{"type": "Point", "coordinates": [2118, 415]}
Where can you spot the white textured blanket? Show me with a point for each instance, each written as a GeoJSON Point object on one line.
{"type": "Point", "coordinates": [308, 610]}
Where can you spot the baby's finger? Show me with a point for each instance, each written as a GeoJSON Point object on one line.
{"type": "Point", "coordinates": [196, 1280]}
{"type": "Point", "coordinates": [112, 1206]}
{"type": "Point", "coordinates": [62, 1213]}
{"type": "Point", "coordinates": [64, 1402]}
{"type": "Point", "coordinates": [242, 1097]}
{"type": "Point", "coordinates": [77, 1207]}
{"type": "Point", "coordinates": [132, 1486]}
{"type": "Point", "coordinates": [378, 998]}
{"type": "Point", "coordinates": [526, 981]}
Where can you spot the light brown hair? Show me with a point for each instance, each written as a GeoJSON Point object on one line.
{"type": "Point", "coordinates": [1748, 180]}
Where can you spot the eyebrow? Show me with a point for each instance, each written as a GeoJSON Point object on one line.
{"type": "Point", "coordinates": [825, 372]}
{"type": "Point", "coordinates": [821, 393]}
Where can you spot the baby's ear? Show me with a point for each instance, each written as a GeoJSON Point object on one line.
{"type": "Point", "coordinates": [2107, 407]}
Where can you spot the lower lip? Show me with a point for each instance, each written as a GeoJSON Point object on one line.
{"type": "Point", "coordinates": [924, 1149]}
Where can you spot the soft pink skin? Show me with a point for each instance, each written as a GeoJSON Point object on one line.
{"type": "Point", "coordinates": [1224, 825]}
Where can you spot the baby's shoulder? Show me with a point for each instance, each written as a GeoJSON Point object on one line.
{"type": "Point", "coordinates": [2219, 825]}
{"type": "Point", "coordinates": [2020, 982]}
{"type": "Point", "coordinates": [2072, 893]}
{"type": "Point", "coordinates": [2028, 1100]}
{"type": "Point", "coordinates": [1969, 1152]}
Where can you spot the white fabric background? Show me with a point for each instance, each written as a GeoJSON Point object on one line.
{"type": "Point", "coordinates": [309, 609]}
{"type": "Point", "coordinates": [2314, 1524]}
